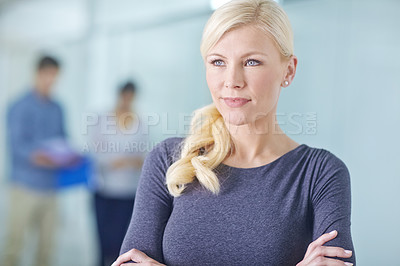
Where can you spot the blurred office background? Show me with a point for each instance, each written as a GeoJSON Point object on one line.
{"type": "Point", "coordinates": [345, 96]}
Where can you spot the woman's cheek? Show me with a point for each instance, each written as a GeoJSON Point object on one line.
{"type": "Point", "coordinates": [212, 82]}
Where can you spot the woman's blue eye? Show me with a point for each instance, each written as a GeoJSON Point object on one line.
{"type": "Point", "coordinates": [252, 62]}
{"type": "Point", "coordinates": [218, 63]}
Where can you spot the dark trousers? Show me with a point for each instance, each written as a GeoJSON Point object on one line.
{"type": "Point", "coordinates": [113, 217]}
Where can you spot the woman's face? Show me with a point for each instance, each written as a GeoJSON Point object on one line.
{"type": "Point", "coordinates": [245, 64]}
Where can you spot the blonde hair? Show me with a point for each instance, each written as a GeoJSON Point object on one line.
{"type": "Point", "coordinates": [209, 141]}
{"type": "Point", "coordinates": [264, 14]}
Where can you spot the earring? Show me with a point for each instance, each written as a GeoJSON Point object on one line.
{"type": "Point", "coordinates": [286, 82]}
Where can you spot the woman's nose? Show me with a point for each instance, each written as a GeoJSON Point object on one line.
{"type": "Point", "coordinates": [234, 78]}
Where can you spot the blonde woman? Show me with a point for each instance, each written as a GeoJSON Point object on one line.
{"type": "Point", "coordinates": [237, 190]}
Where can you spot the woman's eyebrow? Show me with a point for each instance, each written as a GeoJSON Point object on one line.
{"type": "Point", "coordinates": [243, 56]}
{"type": "Point", "coordinates": [215, 54]}
{"type": "Point", "coordinates": [253, 53]}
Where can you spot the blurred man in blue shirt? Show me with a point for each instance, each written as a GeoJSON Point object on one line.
{"type": "Point", "coordinates": [33, 120]}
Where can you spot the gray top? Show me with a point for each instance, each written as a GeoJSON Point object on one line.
{"type": "Point", "coordinates": [266, 215]}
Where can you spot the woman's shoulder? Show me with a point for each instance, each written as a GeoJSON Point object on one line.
{"type": "Point", "coordinates": [167, 151]}
{"type": "Point", "coordinates": [324, 156]}
{"type": "Point", "coordinates": [171, 142]}
{"type": "Point", "coordinates": [169, 145]}
{"type": "Point", "coordinates": [326, 167]}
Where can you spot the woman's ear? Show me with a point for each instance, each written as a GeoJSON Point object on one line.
{"type": "Point", "coordinates": [290, 71]}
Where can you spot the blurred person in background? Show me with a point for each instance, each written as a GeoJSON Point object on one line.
{"type": "Point", "coordinates": [119, 150]}
{"type": "Point", "coordinates": [32, 120]}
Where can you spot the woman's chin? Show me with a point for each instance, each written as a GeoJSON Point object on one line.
{"type": "Point", "coordinates": [235, 120]}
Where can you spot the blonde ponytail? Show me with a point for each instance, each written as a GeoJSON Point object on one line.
{"type": "Point", "coordinates": [208, 134]}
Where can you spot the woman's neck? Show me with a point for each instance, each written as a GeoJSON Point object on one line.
{"type": "Point", "coordinates": [255, 145]}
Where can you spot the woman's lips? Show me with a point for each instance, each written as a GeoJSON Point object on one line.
{"type": "Point", "coordinates": [235, 102]}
